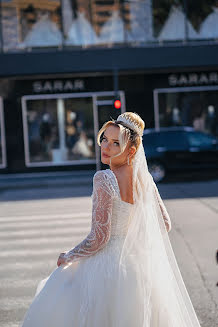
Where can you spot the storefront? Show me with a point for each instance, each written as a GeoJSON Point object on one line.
{"type": "Point", "coordinates": [190, 99]}
{"type": "Point", "coordinates": [50, 124]}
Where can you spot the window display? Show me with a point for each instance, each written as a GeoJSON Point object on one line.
{"type": "Point", "coordinates": [95, 22]}
{"type": "Point", "coordinates": [31, 23]}
{"type": "Point", "coordinates": [195, 107]}
{"type": "Point", "coordinates": [58, 131]}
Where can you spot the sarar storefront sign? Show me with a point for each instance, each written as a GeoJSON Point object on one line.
{"type": "Point", "coordinates": [45, 86]}
{"type": "Point", "coordinates": [185, 79]}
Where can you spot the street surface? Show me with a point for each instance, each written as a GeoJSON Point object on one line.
{"type": "Point", "coordinates": [37, 224]}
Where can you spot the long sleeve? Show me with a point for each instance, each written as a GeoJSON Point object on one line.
{"type": "Point", "coordinates": [163, 209]}
{"type": "Point", "coordinates": [99, 235]}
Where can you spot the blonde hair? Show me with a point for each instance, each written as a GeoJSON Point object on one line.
{"type": "Point", "coordinates": [126, 133]}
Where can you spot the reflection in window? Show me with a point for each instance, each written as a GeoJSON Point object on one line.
{"type": "Point", "coordinates": [200, 139]}
{"type": "Point", "coordinates": [176, 26]}
{"type": "Point", "coordinates": [196, 109]}
{"type": "Point", "coordinates": [203, 15]}
{"type": "Point", "coordinates": [53, 23]}
{"type": "Point", "coordinates": [109, 21]}
{"type": "Point", "coordinates": [209, 27]}
{"type": "Point", "coordinates": [59, 131]}
{"type": "Point", "coordinates": [171, 22]}
{"type": "Point", "coordinates": [31, 23]}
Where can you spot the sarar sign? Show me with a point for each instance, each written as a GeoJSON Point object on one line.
{"type": "Point", "coordinates": [58, 86]}
{"type": "Point", "coordinates": [193, 79]}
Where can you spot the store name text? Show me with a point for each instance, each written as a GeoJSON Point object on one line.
{"type": "Point", "coordinates": [58, 86]}
{"type": "Point", "coordinates": [193, 79]}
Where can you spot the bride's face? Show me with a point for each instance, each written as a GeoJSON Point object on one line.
{"type": "Point", "coordinates": [110, 146]}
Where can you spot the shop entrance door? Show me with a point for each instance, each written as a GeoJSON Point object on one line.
{"type": "Point", "coordinates": [103, 104]}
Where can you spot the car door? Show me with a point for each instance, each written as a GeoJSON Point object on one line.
{"type": "Point", "coordinates": [204, 149]}
{"type": "Point", "coordinates": [175, 147]}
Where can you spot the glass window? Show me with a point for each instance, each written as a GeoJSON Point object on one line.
{"type": "Point", "coordinates": [204, 17]}
{"type": "Point", "coordinates": [59, 131]}
{"type": "Point", "coordinates": [138, 20]}
{"type": "Point", "coordinates": [98, 22]}
{"type": "Point", "coordinates": [197, 109]}
{"type": "Point", "coordinates": [170, 21]}
{"type": "Point", "coordinates": [31, 23]}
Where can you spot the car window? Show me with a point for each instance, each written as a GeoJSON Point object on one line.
{"type": "Point", "coordinates": [200, 139]}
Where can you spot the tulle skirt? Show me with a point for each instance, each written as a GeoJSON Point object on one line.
{"type": "Point", "coordinates": [91, 292]}
{"type": "Point", "coordinates": [85, 294]}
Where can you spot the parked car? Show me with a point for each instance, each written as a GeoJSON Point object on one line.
{"type": "Point", "coordinates": [179, 148]}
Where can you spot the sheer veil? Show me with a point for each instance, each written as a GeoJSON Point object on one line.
{"type": "Point", "coordinates": [157, 282]}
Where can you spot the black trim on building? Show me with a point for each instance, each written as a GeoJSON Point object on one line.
{"type": "Point", "coordinates": [102, 60]}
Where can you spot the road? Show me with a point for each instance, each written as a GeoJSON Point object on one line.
{"type": "Point", "coordinates": [37, 224]}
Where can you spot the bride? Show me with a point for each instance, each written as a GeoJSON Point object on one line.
{"type": "Point", "coordinates": [124, 273]}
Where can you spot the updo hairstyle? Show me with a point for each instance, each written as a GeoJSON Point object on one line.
{"type": "Point", "coordinates": [127, 130]}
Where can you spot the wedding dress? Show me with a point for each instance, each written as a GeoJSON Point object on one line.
{"type": "Point", "coordinates": [110, 279]}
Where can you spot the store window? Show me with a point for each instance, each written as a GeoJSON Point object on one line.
{"type": "Point", "coordinates": [196, 107]}
{"type": "Point", "coordinates": [203, 16]}
{"type": "Point", "coordinates": [170, 21]}
{"type": "Point", "coordinates": [58, 131]}
{"type": "Point", "coordinates": [30, 24]}
{"type": "Point", "coordinates": [2, 137]}
{"type": "Point", "coordinates": [106, 22]}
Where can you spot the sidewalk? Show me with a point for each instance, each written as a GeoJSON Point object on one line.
{"type": "Point", "coordinates": [46, 179]}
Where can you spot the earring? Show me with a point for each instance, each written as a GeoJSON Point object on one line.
{"type": "Point", "coordinates": [128, 160]}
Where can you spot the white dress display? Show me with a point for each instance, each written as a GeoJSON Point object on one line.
{"type": "Point", "coordinates": [174, 27]}
{"type": "Point", "coordinates": [209, 27]}
{"type": "Point", "coordinates": [44, 33]}
{"type": "Point", "coordinates": [81, 32]}
{"type": "Point", "coordinates": [123, 274]}
{"type": "Point", "coordinates": [113, 30]}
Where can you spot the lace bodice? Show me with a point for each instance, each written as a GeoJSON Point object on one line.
{"type": "Point", "coordinates": [110, 216]}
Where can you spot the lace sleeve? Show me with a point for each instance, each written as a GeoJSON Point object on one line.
{"type": "Point", "coordinates": [99, 235]}
{"type": "Point", "coordinates": [163, 209]}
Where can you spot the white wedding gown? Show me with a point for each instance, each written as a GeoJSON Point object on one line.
{"type": "Point", "coordinates": [83, 292]}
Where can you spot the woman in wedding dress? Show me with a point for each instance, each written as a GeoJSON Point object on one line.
{"type": "Point", "coordinates": [124, 273]}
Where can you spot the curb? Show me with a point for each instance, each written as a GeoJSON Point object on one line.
{"type": "Point", "coordinates": [45, 180]}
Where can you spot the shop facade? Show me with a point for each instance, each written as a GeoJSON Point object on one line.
{"type": "Point", "coordinates": [50, 124]}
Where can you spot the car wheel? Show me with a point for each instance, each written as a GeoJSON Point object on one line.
{"type": "Point", "coordinates": [157, 171]}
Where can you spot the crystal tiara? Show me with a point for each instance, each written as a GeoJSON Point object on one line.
{"type": "Point", "coordinates": [130, 123]}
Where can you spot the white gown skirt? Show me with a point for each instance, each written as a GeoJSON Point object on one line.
{"type": "Point", "coordinates": [88, 293]}
{"type": "Point", "coordinates": [84, 294]}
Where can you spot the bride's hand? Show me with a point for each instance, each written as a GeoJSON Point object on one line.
{"type": "Point", "coordinates": [61, 259]}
